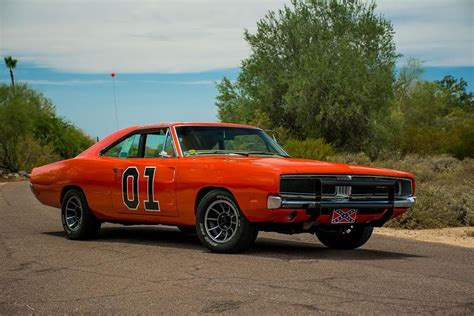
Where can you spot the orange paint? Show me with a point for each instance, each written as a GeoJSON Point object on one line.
{"type": "Point", "coordinates": [178, 181]}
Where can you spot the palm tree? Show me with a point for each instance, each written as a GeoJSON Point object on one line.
{"type": "Point", "coordinates": [11, 64]}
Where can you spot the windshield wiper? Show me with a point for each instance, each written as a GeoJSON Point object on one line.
{"type": "Point", "coordinates": [266, 153]}
{"type": "Point", "coordinates": [220, 152]}
{"type": "Point", "coordinates": [240, 153]}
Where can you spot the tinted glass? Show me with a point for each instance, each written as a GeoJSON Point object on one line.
{"type": "Point", "coordinates": [169, 147]}
{"type": "Point", "coordinates": [226, 140]}
{"type": "Point", "coordinates": [154, 144]}
{"type": "Point", "coordinates": [128, 148]}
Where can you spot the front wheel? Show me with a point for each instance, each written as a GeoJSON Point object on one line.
{"type": "Point", "coordinates": [345, 237]}
{"type": "Point", "coordinates": [221, 226]}
{"type": "Point", "coordinates": [77, 219]}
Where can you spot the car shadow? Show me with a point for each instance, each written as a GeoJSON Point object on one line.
{"type": "Point", "coordinates": [298, 250]}
{"type": "Point", "coordinates": [281, 249]}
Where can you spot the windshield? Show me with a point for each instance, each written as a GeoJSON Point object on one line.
{"type": "Point", "coordinates": [219, 140]}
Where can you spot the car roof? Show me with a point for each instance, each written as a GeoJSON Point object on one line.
{"type": "Point", "coordinates": [110, 139]}
{"type": "Point", "coordinates": [173, 124]}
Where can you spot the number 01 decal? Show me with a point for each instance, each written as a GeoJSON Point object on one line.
{"type": "Point", "coordinates": [132, 202]}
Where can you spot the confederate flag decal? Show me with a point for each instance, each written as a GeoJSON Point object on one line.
{"type": "Point", "coordinates": [344, 216]}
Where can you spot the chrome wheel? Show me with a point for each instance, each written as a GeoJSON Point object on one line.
{"type": "Point", "coordinates": [73, 214]}
{"type": "Point", "coordinates": [221, 221]}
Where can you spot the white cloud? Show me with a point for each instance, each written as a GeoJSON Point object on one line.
{"type": "Point", "coordinates": [182, 36]}
{"type": "Point", "coordinates": [130, 36]}
{"type": "Point", "coordinates": [66, 82]}
{"type": "Point", "coordinates": [183, 82]}
{"type": "Point", "coordinates": [81, 82]}
{"type": "Point", "coordinates": [439, 32]}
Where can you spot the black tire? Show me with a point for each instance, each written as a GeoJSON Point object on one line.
{"type": "Point", "coordinates": [87, 224]}
{"type": "Point", "coordinates": [242, 232]}
{"type": "Point", "coordinates": [254, 236]}
{"type": "Point", "coordinates": [187, 229]}
{"type": "Point", "coordinates": [342, 239]}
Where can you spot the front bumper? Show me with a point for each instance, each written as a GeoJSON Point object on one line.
{"type": "Point", "coordinates": [276, 202]}
{"type": "Point", "coordinates": [315, 209]}
{"type": "Point", "coordinates": [318, 203]}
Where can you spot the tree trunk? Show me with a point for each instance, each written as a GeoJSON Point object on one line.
{"type": "Point", "coordinates": [12, 78]}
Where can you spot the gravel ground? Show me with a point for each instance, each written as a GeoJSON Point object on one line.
{"type": "Point", "coordinates": [457, 236]}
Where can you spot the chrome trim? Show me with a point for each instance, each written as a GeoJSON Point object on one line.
{"type": "Point", "coordinates": [166, 139]}
{"type": "Point", "coordinates": [178, 144]}
{"type": "Point", "coordinates": [344, 177]}
{"type": "Point", "coordinates": [343, 191]}
{"type": "Point", "coordinates": [398, 203]}
{"type": "Point", "coordinates": [230, 126]}
{"type": "Point", "coordinates": [169, 133]}
{"type": "Point", "coordinates": [338, 175]}
{"type": "Point", "coordinates": [408, 202]}
{"type": "Point", "coordinates": [139, 131]}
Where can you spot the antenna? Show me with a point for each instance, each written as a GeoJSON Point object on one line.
{"type": "Point", "coordinates": [115, 100]}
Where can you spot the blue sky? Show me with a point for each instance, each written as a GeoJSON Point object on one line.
{"type": "Point", "coordinates": [169, 54]}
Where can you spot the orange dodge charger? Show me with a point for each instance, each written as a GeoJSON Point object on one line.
{"type": "Point", "coordinates": [224, 182]}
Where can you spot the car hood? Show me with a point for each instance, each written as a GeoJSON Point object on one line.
{"type": "Point", "coordinates": [305, 166]}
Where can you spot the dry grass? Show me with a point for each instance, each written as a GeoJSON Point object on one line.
{"type": "Point", "coordinates": [444, 188]}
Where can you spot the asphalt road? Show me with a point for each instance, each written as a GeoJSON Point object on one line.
{"type": "Point", "coordinates": [157, 269]}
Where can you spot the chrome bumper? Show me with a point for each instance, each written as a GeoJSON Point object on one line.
{"type": "Point", "coordinates": [275, 202]}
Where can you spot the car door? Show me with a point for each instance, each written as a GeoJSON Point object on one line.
{"type": "Point", "coordinates": [145, 172]}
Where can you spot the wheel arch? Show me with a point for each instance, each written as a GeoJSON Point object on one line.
{"type": "Point", "coordinates": [69, 188]}
{"type": "Point", "coordinates": [205, 190]}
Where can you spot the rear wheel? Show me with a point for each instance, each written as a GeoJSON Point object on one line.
{"type": "Point", "coordinates": [77, 219]}
{"type": "Point", "coordinates": [221, 226]}
{"type": "Point", "coordinates": [349, 237]}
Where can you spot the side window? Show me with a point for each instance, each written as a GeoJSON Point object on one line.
{"type": "Point", "coordinates": [159, 144]}
{"type": "Point", "coordinates": [154, 144]}
{"type": "Point", "coordinates": [169, 147]}
{"type": "Point", "coordinates": [127, 148]}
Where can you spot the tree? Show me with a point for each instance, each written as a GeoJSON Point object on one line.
{"type": "Point", "coordinates": [457, 90]}
{"type": "Point", "coordinates": [317, 69]}
{"type": "Point", "coordinates": [31, 133]}
{"type": "Point", "coordinates": [11, 64]}
{"type": "Point", "coordinates": [432, 117]}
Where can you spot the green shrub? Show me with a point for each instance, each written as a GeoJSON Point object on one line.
{"type": "Point", "coordinates": [437, 207]}
{"type": "Point", "coordinates": [310, 148]}
{"type": "Point", "coordinates": [32, 154]}
{"type": "Point", "coordinates": [31, 133]}
{"type": "Point", "coordinates": [444, 190]}
{"type": "Point", "coordinates": [352, 158]}
{"type": "Point", "coordinates": [465, 146]}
